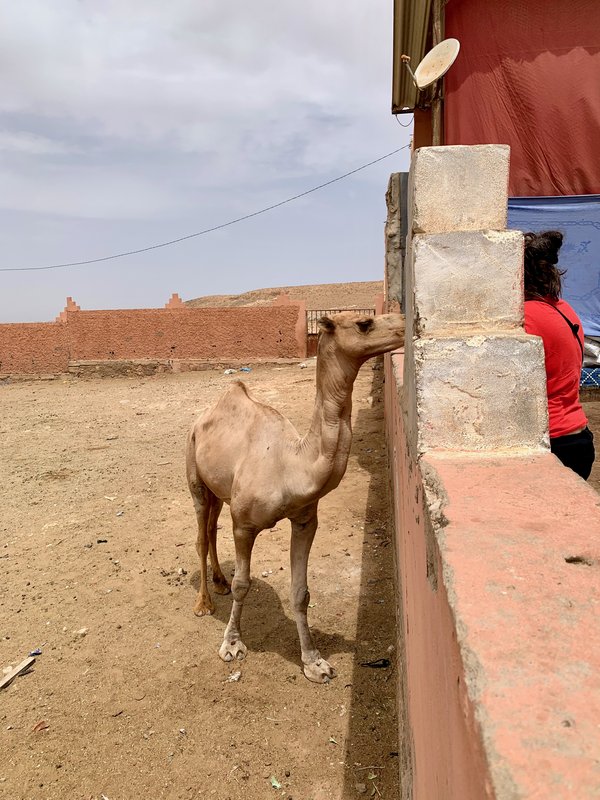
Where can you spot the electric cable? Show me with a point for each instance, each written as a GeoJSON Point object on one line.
{"type": "Point", "coordinates": [408, 124]}
{"type": "Point", "coordinates": [206, 230]}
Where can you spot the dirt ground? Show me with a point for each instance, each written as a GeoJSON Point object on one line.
{"type": "Point", "coordinates": [129, 698]}
{"type": "Point", "coordinates": [592, 410]}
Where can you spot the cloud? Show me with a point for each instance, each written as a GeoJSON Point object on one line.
{"type": "Point", "coordinates": [129, 122]}
{"type": "Point", "coordinates": [178, 72]}
{"type": "Point", "coordinates": [30, 143]}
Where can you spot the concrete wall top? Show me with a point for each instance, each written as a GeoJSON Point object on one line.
{"type": "Point", "coordinates": [520, 555]}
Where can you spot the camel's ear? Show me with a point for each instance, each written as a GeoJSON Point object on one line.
{"type": "Point", "coordinates": [326, 324]}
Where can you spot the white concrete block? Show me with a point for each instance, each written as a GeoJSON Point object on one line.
{"type": "Point", "coordinates": [467, 280]}
{"type": "Point", "coordinates": [459, 188]}
{"type": "Point", "coordinates": [481, 393]}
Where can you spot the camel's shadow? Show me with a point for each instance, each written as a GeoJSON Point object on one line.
{"type": "Point", "coordinates": [266, 627]}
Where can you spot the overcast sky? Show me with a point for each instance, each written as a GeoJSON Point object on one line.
{"type": "Point", "coordinates": [127, 123]}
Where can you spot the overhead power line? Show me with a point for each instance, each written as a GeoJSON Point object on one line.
{"type": "Point", "coordinates": [206, 230]}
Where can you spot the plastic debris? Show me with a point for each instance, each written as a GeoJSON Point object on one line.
{"type": "Point", "coordinates": [233, 678]}
{"type": "Point", "coordinates": [229, 371]}
{"type": "Point", "coordinates": [379, 663]}
{"type": "Point", "coordinates": [275, 783]}
{"type": "Point", "coordinates": [302, 366]}
{"type": "Point", "coordinates": [245, 369]}
{"type": "Point", "coordinates": [36, 652]}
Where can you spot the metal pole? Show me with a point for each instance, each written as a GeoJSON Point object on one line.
{"type": "Point", "coordinates": [436, 102]}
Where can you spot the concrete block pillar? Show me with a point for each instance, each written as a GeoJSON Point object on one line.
{"type": "Point", "coordinates": [474, 381]}
{"type": "Point", "coordinates": [395, 240]}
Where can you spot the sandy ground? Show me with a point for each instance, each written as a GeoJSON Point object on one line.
{"type": "Point", "coordinates": [129, 699]}
{"type": "Point", "coordinates": [98, 569]}
{"type": "Point", "coordinates": [592, 410]}
{"type": "Point", "coordinates": [360, 294]}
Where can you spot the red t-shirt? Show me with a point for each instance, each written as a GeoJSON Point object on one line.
{"type": "Point", "coordinates": [563, 362]}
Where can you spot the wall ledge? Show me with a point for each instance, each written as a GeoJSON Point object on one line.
{"type": "Point", "coordinates": [520, 558]}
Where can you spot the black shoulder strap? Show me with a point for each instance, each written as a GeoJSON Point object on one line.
{"type": "Point", "coordinates": [573, 325]}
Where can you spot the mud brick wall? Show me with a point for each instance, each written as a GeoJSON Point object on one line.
{"type": "Point", "coordinates": [36, 347]}
{"type": "Point", "coordinates": [179, 333]}
{"type": "Point", "coordinates": [242, 333]}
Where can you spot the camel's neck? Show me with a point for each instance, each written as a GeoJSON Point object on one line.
{"type": "Point", "coordinates": [328, 441]}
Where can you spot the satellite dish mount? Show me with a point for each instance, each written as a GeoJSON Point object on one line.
{"type": "Point", "coordinates": [435, 64]}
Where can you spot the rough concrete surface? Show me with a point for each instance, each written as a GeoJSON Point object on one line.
{"type": "Point", "coordinates": [459, 188]}
{"type": "Point", "coordinates": [129, 698]}
{"type": "Point", "coordinates": [467, 279]}
{"type": "Point", "coordinates": [480, 393]}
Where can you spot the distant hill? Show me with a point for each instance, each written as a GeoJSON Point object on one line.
{"type": "Point", "coordinates": [320, 296]}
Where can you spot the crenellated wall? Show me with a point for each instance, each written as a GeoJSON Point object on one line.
{"type": "Point", "coordinates": [172, 333]}
{"type": "Point", "coordinates": [497, 544]}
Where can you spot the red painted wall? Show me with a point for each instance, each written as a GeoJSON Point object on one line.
{"type": "Point", "coordinates": [190, 333]}
{"type": "Point", "coordinates": [442, 755]}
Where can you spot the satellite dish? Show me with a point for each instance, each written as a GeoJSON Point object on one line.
{"type": "Point", "coordinates": [436, 63]}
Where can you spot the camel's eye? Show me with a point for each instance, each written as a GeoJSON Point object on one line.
{"type": "Point", "coordinates": [365, 325]}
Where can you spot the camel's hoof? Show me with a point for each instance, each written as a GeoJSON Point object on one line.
{"type": "Point", "coordinates": [203, 608]}
{"type": "Point", "coordinates": [221, 586]}
{"type": "Point", "coordinates": [319, 671]}
{"type": "Point", "coordinates": [231, 650]}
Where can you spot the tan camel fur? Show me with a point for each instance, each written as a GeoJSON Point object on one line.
{"type": "Point", "coordinates": [245, 453]}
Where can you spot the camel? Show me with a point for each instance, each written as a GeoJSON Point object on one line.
{"type": "Point", "coordinates": [248, 455]}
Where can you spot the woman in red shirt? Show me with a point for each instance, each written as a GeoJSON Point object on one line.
{"type": "Point", "coordinates": [553, 319]}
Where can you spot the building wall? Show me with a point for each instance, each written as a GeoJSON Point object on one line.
{"type": "Point", "coordinates": [441, 753]}
{"type": "Point", "coordinates": [179, 333]}
{"type": "Point", "coordinates": [496, 542]}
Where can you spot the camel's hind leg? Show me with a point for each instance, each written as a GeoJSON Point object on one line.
{"type": "Point", "coordinates": [203, 501]}
{"type": "Point", "coordinates": [220, 582]}
{"type": "Point", "coordinates": [208, 507]}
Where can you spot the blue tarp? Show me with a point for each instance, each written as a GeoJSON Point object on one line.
{"type": "Point", "coordinates": [578, 218]}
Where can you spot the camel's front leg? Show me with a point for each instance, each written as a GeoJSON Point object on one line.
{"type": "Point", "coordinates": [303, 532]}
{"type": "Point", "coordinates": [232, 646]}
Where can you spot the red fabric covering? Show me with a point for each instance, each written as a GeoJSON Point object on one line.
{"type": "Point", "coordinates": [563, 363]}
{"type": "Point", "coordinates": [527, 76]}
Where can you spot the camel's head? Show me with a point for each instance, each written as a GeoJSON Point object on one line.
{"type": "Point", "coordinates": [360, 336]}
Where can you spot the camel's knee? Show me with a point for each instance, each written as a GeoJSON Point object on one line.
{"type": "Point", "coordinates": [239, 588]}
{"type": "Point", "coordinates": [300, 599]}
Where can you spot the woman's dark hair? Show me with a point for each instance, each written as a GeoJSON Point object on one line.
{"type": "Point", "coordinates": [542, 277]}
